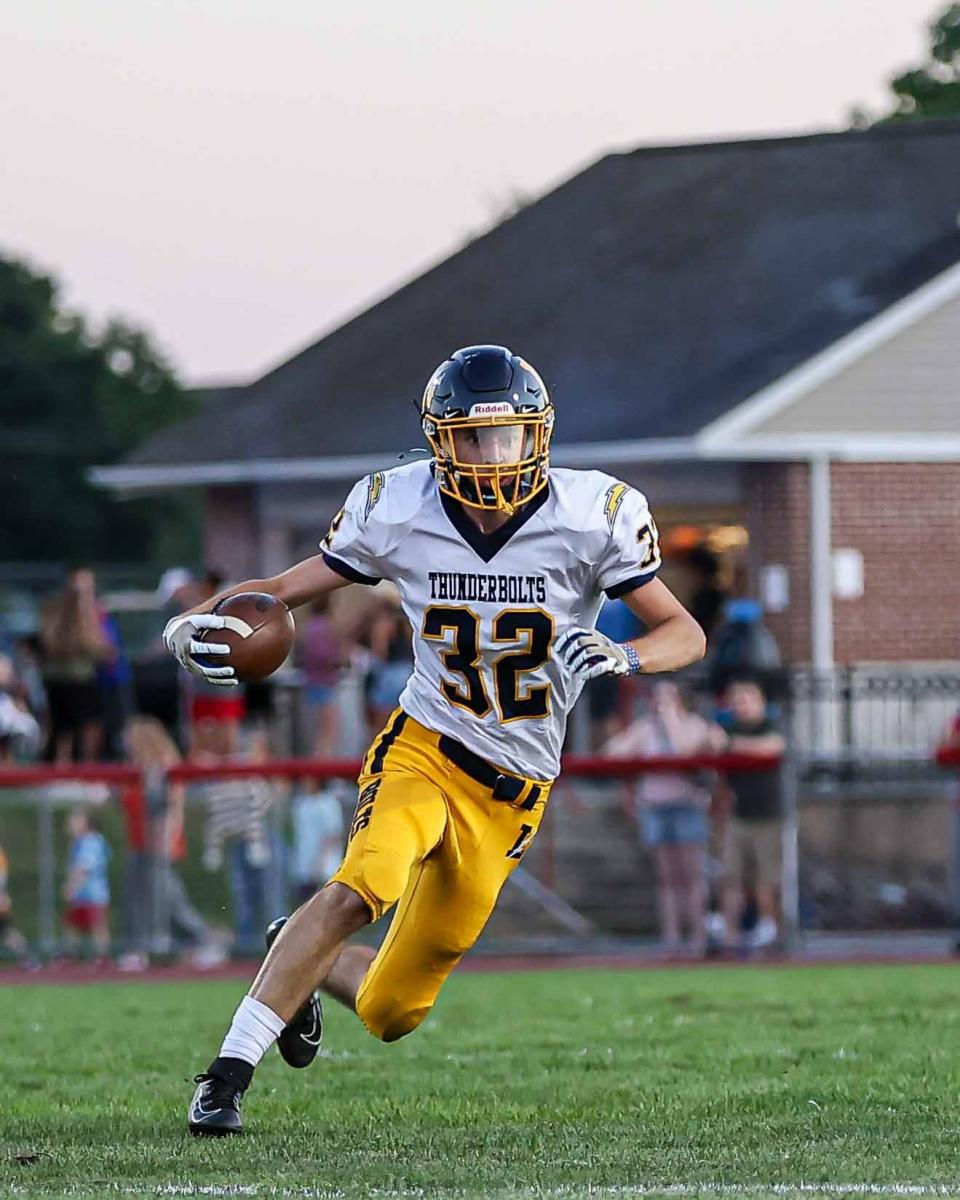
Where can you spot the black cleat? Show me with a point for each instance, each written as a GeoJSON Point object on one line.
{"type": "Point", "coordinates": [215, 1108]}
{"type": "Point", "coordinates": [300, 1040]}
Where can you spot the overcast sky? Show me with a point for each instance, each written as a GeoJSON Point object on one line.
{"type": "Point", "coordinates": [239, 176]}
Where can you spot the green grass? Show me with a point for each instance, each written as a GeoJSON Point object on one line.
{"type": "Point", "coordinates": [543, 1084]}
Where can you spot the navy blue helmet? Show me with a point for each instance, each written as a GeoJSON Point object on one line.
{"type": "Point", "coordinates": [488, 418]}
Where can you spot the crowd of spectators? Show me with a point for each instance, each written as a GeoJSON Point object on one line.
{"type": "Point", "coordinates": [68, 695]}
{"type": "Point", "coordinates": [715, 839]}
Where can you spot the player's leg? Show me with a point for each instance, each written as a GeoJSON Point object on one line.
{"type": "Point", "coordinates": [347, 973]}
{"type": "Point", "coordinates": [298, 959]}
{"type": "Point", "coordinates": [447, 903]}
{"type": "Point", "coordinates": [307, 948]}
{"type": "Point", "coordinates": [400, 818]}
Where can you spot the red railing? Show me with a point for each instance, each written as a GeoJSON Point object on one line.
{"type": "Point", "coordinates": [125, 778]}
{"type": "Point", "coordinates": [574, 766]}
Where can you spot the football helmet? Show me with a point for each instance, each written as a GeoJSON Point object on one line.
{"type": "Point", "coordinates": [488, 418]}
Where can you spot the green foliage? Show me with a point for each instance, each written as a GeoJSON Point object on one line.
{"type": "Point", "coordinates": [71, 399]}
{"type": "Point", "coordinates": [933, 89]}
{"type": "Point", "coordinates": [704, 1082]}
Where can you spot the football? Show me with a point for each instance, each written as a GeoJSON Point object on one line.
{"type": "Point", "coordinates": [259, 632]}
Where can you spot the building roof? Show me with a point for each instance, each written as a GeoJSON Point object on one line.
{"type": "Point", "coordinates": [656, 291]}
{"type": "Point", "coordinates": [904, 384]}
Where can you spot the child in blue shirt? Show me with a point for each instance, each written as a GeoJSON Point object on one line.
{"type": "Point", "coordinates": [87, 890]}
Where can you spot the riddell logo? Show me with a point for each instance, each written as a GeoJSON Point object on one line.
{"type": "Point", "coordinates": [500, 409]}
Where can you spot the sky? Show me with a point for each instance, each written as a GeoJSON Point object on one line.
{"type": "Point", "coordinates": [238, 177]}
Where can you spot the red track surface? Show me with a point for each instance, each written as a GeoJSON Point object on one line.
{"type": "Point", "coordinates": [81, 973]}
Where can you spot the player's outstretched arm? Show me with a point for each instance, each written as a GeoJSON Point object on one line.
{"type": "Point", "coordinates": [674, 639]}
{"type": "Point", "coordinates": [303, 582]}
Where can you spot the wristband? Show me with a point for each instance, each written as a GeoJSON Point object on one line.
{"type": "Point", "coordinates": [633, 659]}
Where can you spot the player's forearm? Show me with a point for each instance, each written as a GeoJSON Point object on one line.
{"type": "Point", "coordinates": [675, 643]}
{"type": "Point", "coordinates": [303, 582]}
{"type": "Point", "coordinates": [248, 585]}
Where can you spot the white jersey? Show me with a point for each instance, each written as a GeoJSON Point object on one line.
{"type": "Point", "coordinates": [486, 608]}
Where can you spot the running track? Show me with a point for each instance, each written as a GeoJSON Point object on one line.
{"type": "Point", "coordinates": [81, 973]}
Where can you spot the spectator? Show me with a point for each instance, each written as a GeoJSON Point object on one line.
{"type": "Point", "coordinates": [317, 837]}
{"type": "Point", "coordinates": [216, 713]}
{"type": "Point", "coordinates": [212, 712]}
{"type": "Point", "coordinates": [323, 661]}
{"type": "Point", "coordinates": [176, 591]}
{"type": "Point", "coordinates": [742, 645]}
{"type": "Point", "coordinates": [10, 937]}
{"type": "Point", "coordinates": [29, 689]}
{"type": "Point", "coordinates": [19, 731]}
{"type": "Point", "coordinates": [605, 694]}
{"type": "Point", "coordinates": [162, 916]}
{"type": "Point", "coordinates": [392, 651]}
{"type": "Point", "coordinates": [951, 741]}
{"type": "Point", "coordinates": [674, 811]}
{"type": "Point", "coordinates": [754, 830]}
{"type": "Point", "coordinates": [115, 681]}
{"type": "Point", "coordinates": [87, 889]}
{"type": "Point", "coordinates": [236, 831]}
{"type": "Point", "coordinates": [73, 648]}
{"type": "Point", "coordinates": [708, 597]}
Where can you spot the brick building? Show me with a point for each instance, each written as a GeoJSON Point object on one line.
{"type": "Point", "coordinates": [758, 334]}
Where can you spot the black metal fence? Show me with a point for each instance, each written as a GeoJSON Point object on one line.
{"type": "Point", "coordinates": [861, 716]}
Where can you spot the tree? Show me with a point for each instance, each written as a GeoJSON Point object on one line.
{"type": "Point", "coordinates": [70, 399]}
{"type": "Point", "coordinates": [933, 89]}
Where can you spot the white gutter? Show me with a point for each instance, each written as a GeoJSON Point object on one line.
{"type": "Point", "coordinates": [259, 470]}
{"type": "Point", "coordinates": [843, 447]}
{"type": "Point", "coordinates": [847, 447]}
{"type": "Point", "coordinates": [349, 467]}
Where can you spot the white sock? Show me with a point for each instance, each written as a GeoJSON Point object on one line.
{"type": "Point", "coordinates": [254, 1029]}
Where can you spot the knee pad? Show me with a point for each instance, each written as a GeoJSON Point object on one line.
{"type": "Point", "coordinates": [385, 874]}
{"type": "Point", "coordinates": [387, 1017]}
{"type": "Point", "coordinates": [379, 877]}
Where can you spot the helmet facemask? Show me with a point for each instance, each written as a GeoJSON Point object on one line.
{"type": "Point", "coordinates": [495, 462]}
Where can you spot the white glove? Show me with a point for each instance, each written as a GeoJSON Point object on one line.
{"type": "Point", "coordinates": [179, 638]}
{"type": "Point", "coordinates": [589, 653]}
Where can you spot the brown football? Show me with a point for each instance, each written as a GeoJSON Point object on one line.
{"type": "Point", "coordinates": [259, 632]}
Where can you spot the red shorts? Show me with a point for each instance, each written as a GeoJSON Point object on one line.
{"type": "Point", "coordinates": [85, 917]}
{"type": "Point", "coordinates": [217, 708]}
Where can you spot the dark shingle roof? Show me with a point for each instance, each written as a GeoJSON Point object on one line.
{"type": "Point", "coordinates": [654, 291]}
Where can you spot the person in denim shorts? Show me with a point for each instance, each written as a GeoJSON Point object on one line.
{"type": "Point", "coordinates": [673, 813]}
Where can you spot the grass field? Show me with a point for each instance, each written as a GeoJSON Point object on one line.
{"type": "Point", "coordinates": [616, 1083]}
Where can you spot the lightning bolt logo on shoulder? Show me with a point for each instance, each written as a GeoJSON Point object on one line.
{"type": "Point", "coordinates": [613, 500]}
{"type": "Point", "coordinates": [374, 492]}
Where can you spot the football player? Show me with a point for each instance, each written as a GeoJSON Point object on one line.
{"type": "Point", "coordinates": [502, 563]}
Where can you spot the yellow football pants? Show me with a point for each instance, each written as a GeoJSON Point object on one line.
{"type": "Point", "coordinates": [428, 836]}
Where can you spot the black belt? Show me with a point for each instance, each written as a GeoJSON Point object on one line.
{"type": "Point", "coordinates": [502, 787]}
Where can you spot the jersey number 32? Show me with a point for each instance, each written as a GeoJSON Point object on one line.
{"type": "Point", "coordinates": [516, 700]}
